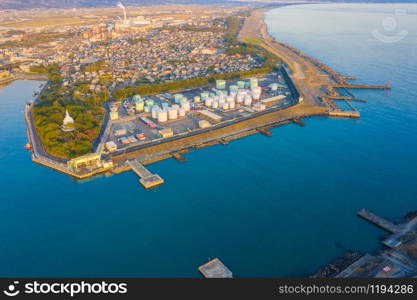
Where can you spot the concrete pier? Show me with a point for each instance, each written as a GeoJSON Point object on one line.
{"type": "Point", "coordinates": [299, 122]}
{"type": "Point", "coordinates": [264, 132]}
{"type": "Point", "coordinates": [215, 269]}
{"type": "Point", "coordinates": [380, 222]}
{"type": "Point", "coordinates": [179, 157]}
{"type": "Point", "coordinates": [345, 114]}
{"type": "Point", "coordinates": [147, 179]}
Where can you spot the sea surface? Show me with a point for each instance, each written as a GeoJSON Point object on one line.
{"type": "Point", "coordinates": [266, 206]}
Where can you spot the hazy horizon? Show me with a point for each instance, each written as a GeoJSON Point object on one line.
{"type": "Point", "coordinates": [23, 4]}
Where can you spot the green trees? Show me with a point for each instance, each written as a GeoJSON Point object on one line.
{"type": "Point", "coordinates": [87, 112]}
{"type": "Point", "coordinates": [152, 89]}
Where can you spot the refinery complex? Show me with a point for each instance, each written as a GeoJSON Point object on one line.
{"type": "Point", "coordinates": [140, 120]}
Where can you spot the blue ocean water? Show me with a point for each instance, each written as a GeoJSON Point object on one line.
{"type": "Point", "coordinates": [267, 207]}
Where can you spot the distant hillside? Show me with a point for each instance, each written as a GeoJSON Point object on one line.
{"type": "Point", "coordinates": [21, 4]}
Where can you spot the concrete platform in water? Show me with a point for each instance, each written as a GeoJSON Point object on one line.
{"type": "Point", "coordinates": [215, 269]}
{"type": "Point", "coordinates": [345, 114]}
{"type": "Point", "coordinates": [147, 179]}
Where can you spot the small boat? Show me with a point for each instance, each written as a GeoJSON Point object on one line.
{"type": "Point", "coordinates": [28, 147]}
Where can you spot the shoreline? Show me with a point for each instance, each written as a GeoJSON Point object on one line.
{"type": "Point", "coordinates": [298, 70]}
{"type": "Point", "coordinates": [17, 77]}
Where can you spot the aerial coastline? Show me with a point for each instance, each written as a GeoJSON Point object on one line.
{"type": "Point", "coordinates": [310, 93]}
{"type": "Point", "coordinates": [312, 177]}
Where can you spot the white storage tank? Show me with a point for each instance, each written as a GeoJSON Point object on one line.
{"type": "Point", "coordinates": [186, 105]}
{"type": "Point", "coordinates": [215, 104]}
{"type": "Point", "coordinates": [256, 96]}
{"type": "Point", "coordinates": [139, 105]}
{"type": "Point", "coordinates": [243, 91]}
{"type": "Point", "coordinates": [232, 105]}
{"type": "Point", "coordinates": [225, 106]}
{"type": "Point", "coordinates": [181, 112]}
{"type": "Point", "coordinates": [248, 100]}
{"type": "Point", "coordinates": [154, 112]}
{"type": "Point", "coordinates": [149, 102]}
{"type": "Point", "coordinates": [162, 116]}
{"type": "Point", "coordinates": [239, 98]}
{"type": "Point", "coordinates": [209, 102]}
{"type": "Point", "coordinates": [204, 96]}
{"type": "Point", "coordinates": [172, 113]}
{"type": "Point", "coordinates": [256, 89]}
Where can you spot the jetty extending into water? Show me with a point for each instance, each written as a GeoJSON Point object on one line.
{"type": "Point", "coordinates": [378, 221]}
{"type": "Point", "coordinates": [317, 83]}
{"type": "Point", "coordinates": [147, 179]}
{"type": "Point", "coordinates": [399, 259]}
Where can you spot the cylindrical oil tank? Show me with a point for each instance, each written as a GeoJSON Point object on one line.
{"type": "Point", "coordinates": [172, 113]}
{"type": "Point", "coordinates": [215, 104]}
{"type": "Point", "coordinates": [197, 99]}
{"type": "Point", "coordinates": [232, 105]}
{"type": "Point", "coordinates": [162, 116]}
{"type": "Point", "coordinates": [256, 96]}
{"type": "Point", "coordinates": [225, 106]}
{"type": "Point", "coordinates": [154, 111]}
{"type": "Point", "coordinates": [253, 82]}
{"type": "Point", "coordinates": [248, 100]}
{"type": "Point", "coordinates": [149, 102]}
{"type": "Point", "coordinates": [243, 91]}
{"type": "Point", "coordinates": [139, 105]}
{"type": "Point", "coordinates": [177, 98]}
{"type": "Point", "coordinates": [233, 88]}
{"type": "Point", "coordinates": [186, 105]}
{"type": "Point", "coordinates": [181, 112]}
{"type": "Point", "coordinates": [209, 102]}
{"type": "Point", "coordinates": [256, 89]}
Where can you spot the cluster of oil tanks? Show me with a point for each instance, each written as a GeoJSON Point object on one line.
{"type": "Point", "coordinates": [243, 93]}
{"type": "Point", "coordinates": [163, 112]}
{"type": "Point", "coordinates": [166, 112]}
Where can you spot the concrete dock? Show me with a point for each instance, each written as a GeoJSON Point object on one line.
{"type": "Point", "coordinates": [264, 132]}
{"type": "Point", "coordinates": [345, 114]}
{"type": "Point", "coordinates": [215, 269]}
{"type": "Point", "coordinates": [147, 179]}
{"type": "Point", "coordinates": [380, 222]}
{"type": "Point", "coordinates": [179, 157]}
